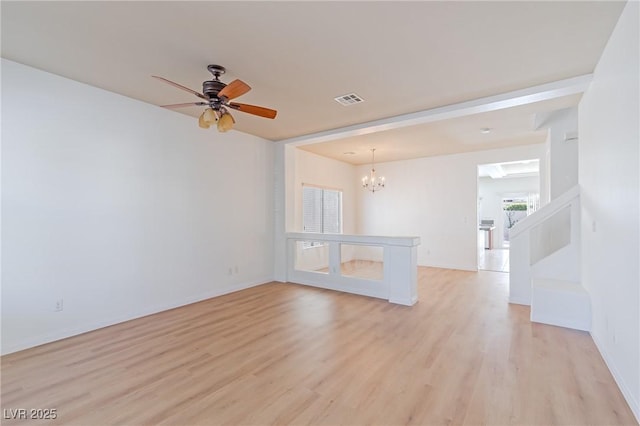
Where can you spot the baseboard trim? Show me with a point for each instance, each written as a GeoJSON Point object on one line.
{"type": "Point", "coordinates": [406, 302]}
{"type": "Point", "coordinates": [519, 301]}
{"type": "Point", "coordinates": [626, 393]}
{"type": "Point", "coordinates": [85, 328]}
{"type": "Point", "coordinates": [451, 266]}
{"type": "Point", "coordinates": [351, 289]}
{"type": "Point", "coordinates": [560, 322]}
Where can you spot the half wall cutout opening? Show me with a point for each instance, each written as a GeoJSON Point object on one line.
{"type": "Point", "coordinates": [312, 256]}
{"type": "Point", "coordinates": [362, 261]}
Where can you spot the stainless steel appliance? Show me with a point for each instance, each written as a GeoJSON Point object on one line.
{"type": "Point", "coordinates": [487, 225]}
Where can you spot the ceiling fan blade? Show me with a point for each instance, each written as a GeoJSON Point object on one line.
{"type": "Point", "coordinates": [255, 110]}
{"type": "Point", "coordinates": [234, 89]}
{"type": "Point", "coordinates": [180, 86]}
{"type": "Point", "coordinates": [185, 105]}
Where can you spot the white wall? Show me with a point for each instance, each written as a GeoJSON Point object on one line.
{"type": "Point", "coordinates": [434, 198]}
{"type": "Point", "coordinates": [322, 171]}
{"type": "Point", "coordinates": [492, 191]}
{"type": "Point", "coordinates": [120, 208]}
{"type": "Point", "coordinates": [608, 173]}
{"type": "Point", "coordinates": [563, 167]}
{"type": "Point", "coordinates": [545, 173]}
{"type": "Point", "coordinates": [284, 205]}
{"type": "Point", "coordinates": [317, 170]}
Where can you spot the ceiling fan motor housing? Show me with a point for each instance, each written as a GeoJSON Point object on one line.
{"type": "Point", "coordinates": [211, 88]}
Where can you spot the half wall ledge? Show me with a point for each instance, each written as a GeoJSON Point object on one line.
{"type": "Point", "coordinates": [376, 266]}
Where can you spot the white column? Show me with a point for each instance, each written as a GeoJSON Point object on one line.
{"type": "Point", "coordinates": [284, 163]}
{"type": "Point", "coordinates": [401, 274]}
{"type": "Point", "coordinates": [519, 270]}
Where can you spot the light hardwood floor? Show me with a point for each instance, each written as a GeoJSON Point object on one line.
{"type": "Point", "coordinates": [289, 354]}
{"type": "Point", "coordinates": [493, 260]}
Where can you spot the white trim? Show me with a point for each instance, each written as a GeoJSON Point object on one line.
{"type": "Point", "coordinates": [626, 393]}
{"type": "Point", "coordinates": [313, 185]}
{"type": "Point", "coordinates": [361, 287]}
{"type": "Point", "coordinates": [559, 321]}
{"type": "Point", "coordinates": [404, 301]}
{"type": "Point", "coordinates": [355, 239]}
{"type": "Point", "coordinates": [456, 266]}
{"type": "Point", "coordinates": [519, 301]}
{"type": "Point", "coordinates": [85, 328]}
{"type": "Point", "coordinates": [543, 92]}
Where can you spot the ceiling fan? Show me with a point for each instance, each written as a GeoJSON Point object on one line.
{"type": "Point", "coordinates": [216, 96]}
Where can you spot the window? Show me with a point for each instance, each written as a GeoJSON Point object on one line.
{"type": "Point", "coordinates": [321, 211]}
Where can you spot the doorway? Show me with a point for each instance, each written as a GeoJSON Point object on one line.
{"type": "Point", "coordinates": [507, 192]}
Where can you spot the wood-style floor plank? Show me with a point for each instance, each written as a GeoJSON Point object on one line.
{"type": "Point", "coordinates": [293, 355]}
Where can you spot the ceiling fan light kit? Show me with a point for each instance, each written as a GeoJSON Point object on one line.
{"type": "Point", "coordinates": [225, 122]}
{"type": "Point", "coordinates": [207, 118]}
{"type": "Point", "coordinates": [202, 123]}
{"type": "Point", "coordinates": [216, 96]}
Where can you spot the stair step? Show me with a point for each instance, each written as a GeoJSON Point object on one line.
{"type": "Point", "coordinates": [561, 303]}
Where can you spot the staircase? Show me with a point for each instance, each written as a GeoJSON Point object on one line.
{"type": "Point", "coordinates": [544, 254]}
{"type": "Point", "coordinates": [561, 303]}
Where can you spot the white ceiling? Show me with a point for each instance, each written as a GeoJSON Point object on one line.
{"type": "Point", "coordinates": [401, 57]}
{"type": "Point", "coordinates": [508, 127]}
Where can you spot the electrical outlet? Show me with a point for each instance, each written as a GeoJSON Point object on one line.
{"type": "Point", "coordinates": [59, 305]}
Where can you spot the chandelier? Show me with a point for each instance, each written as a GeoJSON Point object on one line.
{"type": "Point", "coordinates": [371, 182]}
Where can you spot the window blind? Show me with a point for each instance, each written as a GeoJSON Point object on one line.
{"type": "Point", "coordinates": [312, 209]}
{"type": "Point", "coordinates": [321, 210]}
{"type": "Point", "coordinates": [331, 211]}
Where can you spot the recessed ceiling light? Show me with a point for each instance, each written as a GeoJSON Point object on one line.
{"type": "Point", "coordinates": [485, 130]}
{"type": "Point", "coordinates": [349, 153]}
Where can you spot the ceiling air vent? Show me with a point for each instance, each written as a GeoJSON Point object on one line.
{"type": "Point", "coordinates": [349, 99]}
